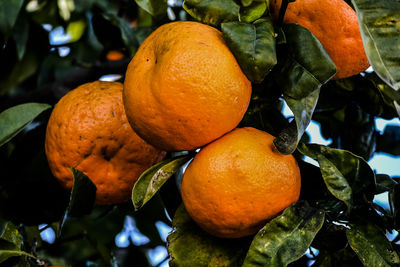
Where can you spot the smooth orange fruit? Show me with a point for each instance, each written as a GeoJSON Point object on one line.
{"type": "Point", "coordinates": [335, 24]}
{"type": "Point", "coordinates": [237, 183]}
{"type": "Point", "coordinates": [88, 130]}
{"type": "Point", "coordinates": [114, 55]}
{"type": "Point", "coordinates": [184, 88]}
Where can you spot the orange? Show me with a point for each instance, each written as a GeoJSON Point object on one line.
{"type": "Point", "coordinates": [115, 55]}
{"type": "Point", "coordinates": [335, 24]}
{"type": "Point", "coordinates": [237, 183]}
{"type": "Point", "coordinates": [184, 88]}
{"type": "Point", "coordinates": [88, 130]}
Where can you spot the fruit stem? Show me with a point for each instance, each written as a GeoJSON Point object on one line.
{"type": "Point", "coordinates": [282, 11]}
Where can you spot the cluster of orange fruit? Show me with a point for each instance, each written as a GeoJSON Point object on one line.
{"type": "Point", "coordinates": [184, 90]}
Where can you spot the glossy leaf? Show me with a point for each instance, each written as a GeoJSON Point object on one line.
{"type": "Point", "coordinates": [153, 179]}
{"type": "Point", "coordinates": [285, 238]}
{"type": "Point", "coordinates": [9, 11]}
{"type": "Point", "coordinates": [253, 46]}
{"type": "Point", "coordinates": [153, 7]}
{"type": "Point", "coordinates": [303, 109]}
{"type": "Point", "coordinates": [20, 35]}
{"type": "Point", "coordinates": [341, 169]}
{"type": "Point", "coordinates": [15, 119]}
{"type": "Point", "coordinates": [371, 245]}
{"type": "Point", "coordinates": [5, 254]}
{"type": "Point", "coordinates": [304, 66]}
{"type": "Point", "coordinates": [76, 29]}
{"type": "Point", "coordinates": [212, 12]}
{"type": "Point", "coordinates": [379, 25]}
{"type": "Point", "coordinates": [82, 198]}
{"type": "Point", "coordinates": [253, 11]}
{"type": "Point", "coordinates": [188, 245]}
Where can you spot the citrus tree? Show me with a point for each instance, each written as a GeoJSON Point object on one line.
{"type": "Point", "coordinates": [310, 56]}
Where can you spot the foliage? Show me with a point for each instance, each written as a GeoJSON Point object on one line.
{"type": "Point", "coordinates": [336, 214]}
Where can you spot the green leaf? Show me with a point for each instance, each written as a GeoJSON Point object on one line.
{"type": "Point", "coordinates": [394, 202]}
{"type": "Point", "coordinates": [153, 179]}
{"type": "Point", "coordinates": [82, 198]}
{"type": "Point", "coordinates": [153, 7]}
{"type": "Point", "coordinates": [380, 31]}
{"type": "Point", "coordinates": [286, 238]}
{"type": "Point", "coordinates": [15, 119]}
{"type": "Point", "coordinates": [11, 235]}
{"type": "Point", "coordinates": [304, 66]}
{"type": "Point", "coordinates": [20, 35]}
{"type": "Point", "coordinates": [341, 169]}
{"type": "Point", "coordinates": [188, 245]}
{"type": "Point", "coordinates": [127, 33]}
{"type": "Point", "coordinates": [253, 46]}
{"type": "Point", "coordinates": [389, 141]}
{"type": "Point", "coordinates": [9, 11]}
{"type": "Point", "coordinates": [76, 29]}
{"type": "Point", "coordinates": [334, 180]}
{"type": "Point", "coordinates": [371, 245]}
{"type": "Point", "coordinates": [213, 12]}
{"type": "Point", "coordinates": [5, 254]}
{"type": "Point", "coordinates": [253, 11]}
{"type": "Point", "coordinates": [302, 109]}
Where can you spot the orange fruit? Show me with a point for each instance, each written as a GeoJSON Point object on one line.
{"type": "Point", "coordinates": [237, 183]}
{"type": "Point", "coordinates": [184, 88]}
{"type": "Point", "coordinates": [88, 130]}
{"type": "Point", "coordinates": [114, 55]}
{"type": "Point", "coordinates": [335, 24]}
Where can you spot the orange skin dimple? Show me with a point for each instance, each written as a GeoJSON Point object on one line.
{"type": "Point", "coordinates": [335, 24]}
{"type": "Point", "coordinates": [237, 183]}
{"type": "Point", "coordinates": [184, 88]}
{"type": "Point", "coordinates": [88, 130]}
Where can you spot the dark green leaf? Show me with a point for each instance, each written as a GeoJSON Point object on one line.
{"type": "Point", "coordinates": [342, 168]}
{"type": "Point", "coordinates": [5, 254]}
{"type": "Point", "coordinates": [254, 10]}
{"type": "Point", "coordinates": [253, 46]}
{"type": "Point", "coordinates": [212, 12]}
{"type": "Point", "coordinates": [9, 11]}
{"type": "Point", "coordinates": [334, 180]}
{"type": "Point", "coordinates": [286, 238]}
{"type": "Point", "coordinates": [20, 35]}
{"type": "Point", "coordinates": [384, 183]}
{"type": "Point", "coordinates": [82, 198]}
{"type": "Point", "coordinates": [188, 245]}
{"type": "Point", "coordinates": [153, 7]}
{"type": "Point", "coordinates": [371, 245]}
{"type": "Point", "coordinates": [304, 66]}
{"type": "Point", "coordinates": [127, 33]}
{"type": "Point", "coordinates": [15, 119]}
{"type": "Point", "coordinates": [389, 141]}
{"type": "Point", "coordinates": [302, 109]}
{"type": "Point", "coordinates": [379, 25]}
{"type": "Point", "coordinates": [394, 201]}
{"type": "Point", "coordinates": [153, 179]}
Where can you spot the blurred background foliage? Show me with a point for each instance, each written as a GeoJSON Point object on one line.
{"type": "Point", "coordinates": [48, 47]}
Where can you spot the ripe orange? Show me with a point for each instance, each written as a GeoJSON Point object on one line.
{"type": "Point", "coordinates": [335, 24]}
{"type": "Point", "coordinates": [114, 55]}
{"type": "Point", "coordinates": [237, 183]}
{"type": "Point", "coordinates": [88, 130]}
{"type": "Point", "coordinates": [184, 88]}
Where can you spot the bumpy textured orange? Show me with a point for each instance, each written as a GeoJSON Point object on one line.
{"type": "Point", "coordinates": [335, 24]}
{"type": "Point", "coordinates": [184, 88]}
{"type": "Point", "coordinates": [237, 183]}
{"type": "Point", "coordinates": [88, 130]}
